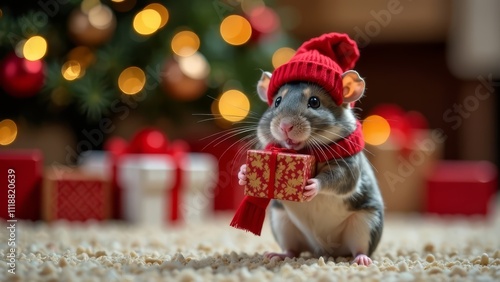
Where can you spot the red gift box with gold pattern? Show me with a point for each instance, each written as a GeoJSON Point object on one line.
{"type": "Point", "coordinates": [278, 175]}
{"type": "Point", "coordinates": [75, 196]}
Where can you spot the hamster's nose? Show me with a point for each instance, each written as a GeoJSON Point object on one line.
{"type": "Point", "coordinates": [286, 126]}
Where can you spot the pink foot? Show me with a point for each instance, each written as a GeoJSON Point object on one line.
{"type": "Point", "coordinates": [282, 256]}
{"type": "Point", "coordinates": [362, 259]}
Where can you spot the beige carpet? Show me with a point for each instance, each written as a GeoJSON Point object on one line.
{"type": "Point", "coordinates": [412, 249]}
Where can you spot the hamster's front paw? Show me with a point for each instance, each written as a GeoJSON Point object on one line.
{"type": "Point", "coordinates": [242, 175]}
{"type": "Point", "coordinates": [311, 189]}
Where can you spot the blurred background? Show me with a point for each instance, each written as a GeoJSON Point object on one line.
{"type": "Point", "coordinates": [74, 74]}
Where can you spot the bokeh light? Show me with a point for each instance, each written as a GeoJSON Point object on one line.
{"type": "Point", "coordinates": [264, 19]}
{"type": "Point", "coordinates": [123, 5]}
{"type": "Point", "coordinates": [185, 43]}
{"type": "Point", "coordinates": [131, 80]}
{"type": "Point", "coordinates": [234, 105]}
{"type": "Point", "coordinates": [72, 70]}
{"type": "Point", "coordinates": [35, 48]}
{"type": "Point", "coordinates": [147, 22]}
{"type": "Point", "coordinates": [195, 66]}
{"type": "Point", "coordinates": [282, 56]}
{"type": "Point", "coordinates": [8, 131]}
{"type": "Point", "coordinates": [83, 55]}
{"type": "Point", "coordinates": [162, 11]}
{"type": "Point", "coordinates": [235, 30]}
{"type": "Point", "coordinates": [376, 130]}
{"type": "Point", "coordinates": [101, 17]}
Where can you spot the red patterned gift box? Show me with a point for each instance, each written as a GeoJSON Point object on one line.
{"type": "Point", "coordinates": [75, 196]}
{"type": "Point", "coordinates": [278, 175]}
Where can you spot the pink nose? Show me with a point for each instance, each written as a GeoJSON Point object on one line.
{"type": "Point", "coordinates": [286, 126]}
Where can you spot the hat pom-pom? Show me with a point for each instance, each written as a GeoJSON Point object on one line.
{"type": "Point", "coordinates": [338, 46]}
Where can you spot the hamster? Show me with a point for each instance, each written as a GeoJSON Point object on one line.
{"type": "Point", "coordinates": [343, 211]}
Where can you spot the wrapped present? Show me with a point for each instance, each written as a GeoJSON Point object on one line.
{"type": "Point", "coordinates": [401, 171]}
{"type": "Point", "coordinates": [162, 189]}
{"type": "Point", "coordinates": [21, 171]}
{"type": "Point", "coordinates": [461, 188]}
{"type": "Point", "coordinates": [75, 196]}
{"type": "Point", "coordinates": [278, 175]}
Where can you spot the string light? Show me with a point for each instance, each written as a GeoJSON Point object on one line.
{"type": "Point", "coordinates": [282, 56]}
{"type": "Point", "coordinates": [131, 80]}
{"type": "Point", "coordinates": [162, 11]}
{"type": "Point", "coordinates": [185, 43]}
{"type": "Point", "coordinates": [376, 130]}
{"type": "Point", "coordinates": [194, 66]}
{"type": "Point", "coordinates": [234, 105]}
{"type": "Point", "coordinates": [263, 19]}
{"type": "Point", "coordinates": [83, 55]}
{"type": "Point", "coordinates": [123, 5]}
{"type": "Point", "coordinates": [72, 70]}
{"type": "Point", "coordinates": [34, 48]}
{"type": "Point", "coordinates": [100, 17]}
{"type": "Point", "coordinates": [8, 132]}
{"type": "Point", "coordinates": [235, 30]}
{"type": "Point", "coordinates": [147, 22]}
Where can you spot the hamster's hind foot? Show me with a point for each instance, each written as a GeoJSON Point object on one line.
{"type": "Point", "coordinates": [362, 259]}
{"type": "Point", "coordinates": [281, 256]}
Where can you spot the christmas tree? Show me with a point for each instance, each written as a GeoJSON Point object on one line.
{"type": "Point", "coordinates": [84, 61]}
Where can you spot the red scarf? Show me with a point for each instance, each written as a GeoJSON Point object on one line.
{"type": "Point", "coordinates": [252, 210]}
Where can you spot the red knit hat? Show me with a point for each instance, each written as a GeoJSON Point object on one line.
{"type": "Point", "coordinates": [321, 60]}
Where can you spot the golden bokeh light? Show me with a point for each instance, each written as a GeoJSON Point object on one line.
{"type": "Point", "coordinates": [376, 130]}
{"type": "Point", "coordinates": [72, 70]}
{"type": "Point", "coordinates": [234, 105]}
{"type": "Point", "coordinates": [8, 132]}
{"type": "Point", "coordinates": [162, 11]}
{"type": "Point", "coordinates": [195, 66]}
{"type": "Point", "coordinates": [282, 56]}
{"type": "Point", "coordinates": [83, 55]}
{"type": "Point", "coordinates": [131, 80]}
{"type": "Point", "coordinates": [35, 48]}
{"type": "Point", "coordinates": [185, 43]}
{"type": "Point", "coordinates": [147, 22]}
{"type": "Point", "coordinates": [235, 30]}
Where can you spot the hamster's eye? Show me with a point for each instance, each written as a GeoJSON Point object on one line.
{"type": "Point", "coordinates": [313, 102]}
{"type": "Point", "coordinates": [277, 102]}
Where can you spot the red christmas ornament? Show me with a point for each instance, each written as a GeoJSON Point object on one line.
{"type": "Point", "coordinates": [116, 145]}
{"type": "Point", "coordinates": [20, 77]}
{"type": "Point", "coordinates": [148, 141]}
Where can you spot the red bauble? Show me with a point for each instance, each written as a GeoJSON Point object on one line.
{"type": "Point", "coordinates": [116, 145]}
{"type": "Point", "coordinates": [20, 77]}
{"type": "Point", "coordinates": [148, 141]}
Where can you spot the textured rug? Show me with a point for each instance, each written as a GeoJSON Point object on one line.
{"type": "Point", "coordinates": [413, 248]}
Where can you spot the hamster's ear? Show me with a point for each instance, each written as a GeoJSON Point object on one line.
{"type": "Point", "coordinates": [353, 86]}
{"type": "Point", "coordinates": [263, 85]}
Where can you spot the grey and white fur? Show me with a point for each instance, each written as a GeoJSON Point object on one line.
{"type": "Point", "coordinates": [343, 212]}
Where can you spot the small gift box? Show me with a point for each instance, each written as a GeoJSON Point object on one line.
{"type": "Point", "coordinates": [461, 188]}
{"type": "Point", "coordinates": [21, 174]}
{"type": "Point", "coordinates": [278, 175]}
{"type": "Point", "coordinates": [75, 196]}
{"type": "Point", "coordinates": [161, 189]}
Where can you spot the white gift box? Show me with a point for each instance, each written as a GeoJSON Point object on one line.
{"type": "Point", "coordinates": [146, 181]}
